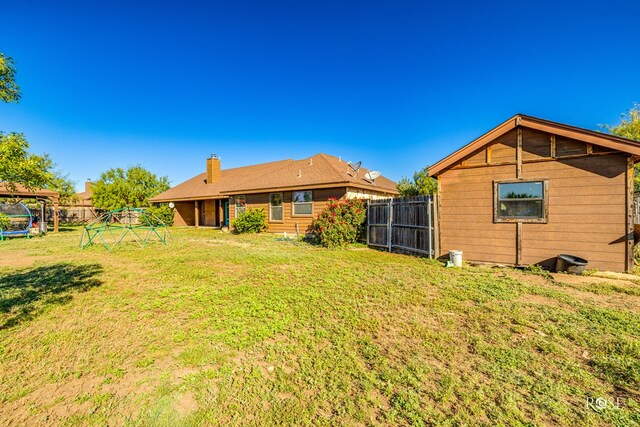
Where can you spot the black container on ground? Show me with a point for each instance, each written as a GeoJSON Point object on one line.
{"type": "Point", "coordinates": [570, 264]}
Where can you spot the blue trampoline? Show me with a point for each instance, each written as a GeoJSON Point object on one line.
{"type": "Point", "coordinates": [20, 217]}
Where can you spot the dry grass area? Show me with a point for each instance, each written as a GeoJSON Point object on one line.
{"type": "Point", "coordinates": [216, 329]}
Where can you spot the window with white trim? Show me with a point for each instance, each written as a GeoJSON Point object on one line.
{"type": "Point", "coordinates": [241, 205]}
{"type": "Point", "coordinates": [302, 203]}
{"type": "Point", "coordinates": [275, 207]}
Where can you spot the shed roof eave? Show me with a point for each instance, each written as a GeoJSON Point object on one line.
{"type": "Point", "coordinates": [609, 141]}
{"type": "Point", "coordinates": [494, 133]}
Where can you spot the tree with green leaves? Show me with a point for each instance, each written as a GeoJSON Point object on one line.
{"type": "Point", "coordinates": [63, 185]}
{"type": "Point", "coordinates": [20, 167]}
{"type": "Point", "coordinates": [118, 188]}
{"type": "Point", "coordinates": [17, 165]}
{"type": "Point", "coordinates": [421, 184]}
{"type": "Point", "coordinates": [9, 90]}
{"type": "Point", "coordinates": [629, 127]}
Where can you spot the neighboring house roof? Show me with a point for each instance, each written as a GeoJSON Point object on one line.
{"type": "Point", "coordinates": [319, 171]}
{"type": "Point", "coordinates": [84, 199]}
{"type": "Point", "coordinates": [605, 140]}
{"type": "Point", "coordinates": [87, 196]}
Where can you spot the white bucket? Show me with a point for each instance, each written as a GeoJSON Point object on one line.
{"type": "Point", "coordinates": [456, 258]}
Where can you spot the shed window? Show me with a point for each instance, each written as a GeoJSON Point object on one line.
{"type": "Point", "coordinates": [275, 207]}
{"type": "Point", "coordinates": [241, 205]}
{"type": "Point", "coordinates": [520, 201]}
{"type": "Point", "coordinates": [302, 203]}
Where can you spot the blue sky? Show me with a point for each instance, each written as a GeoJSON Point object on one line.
{"type": "Point", "coordinates": [396, 84]}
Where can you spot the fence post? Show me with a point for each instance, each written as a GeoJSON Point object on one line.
{"type": "Point", "coordinates": [368, 222]}
{"type": "Point", "coordinates": [436, 225]}
{"type": "Point", "coordinates": [430, 222]}
{"type": "Point", "coordinates": [390, 224]}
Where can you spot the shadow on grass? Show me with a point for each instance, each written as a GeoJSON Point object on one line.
{"type": "Point", "coordinates": [69, 228]}
{"type": "Point", "coordinates": [25, 293]}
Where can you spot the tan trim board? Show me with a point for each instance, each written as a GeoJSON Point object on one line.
{"type": "Point", "coordinates": [541, 160]}
{"type": "Point", "coordinates": [188, 199]}
{"type": "Point", "coordinates": [309, 187]}
{"type": "Point", "coordinates": [473, 145]}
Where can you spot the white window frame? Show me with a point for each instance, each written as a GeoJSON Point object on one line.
{"type": "Point", "coordinates": [294, 204]}
{"type": "Point", "coordinates": [281, 207]}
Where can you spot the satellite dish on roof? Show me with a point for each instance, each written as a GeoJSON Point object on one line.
{"type": "Point", "coordinates": [353, 168]}
{"type": "Point", "coordinates": [372, 175]}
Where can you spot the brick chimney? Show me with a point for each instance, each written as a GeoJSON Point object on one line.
{"type": "Point", "coordinates": [88, 185]}
{"type": "Point", "coordinates": [213, 169]}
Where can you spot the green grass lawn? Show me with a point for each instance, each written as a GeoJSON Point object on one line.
{"type": "Point", "coordinates": [216, 329]}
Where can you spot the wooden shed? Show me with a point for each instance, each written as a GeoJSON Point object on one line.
{"type": "Point", "coordinates": [531, 189]}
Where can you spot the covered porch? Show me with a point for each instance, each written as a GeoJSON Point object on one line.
{"type": "Point", "coordinates": [212, 212]}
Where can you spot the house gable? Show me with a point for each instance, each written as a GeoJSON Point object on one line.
{"type": "Point", "coordinates": [499, 144]}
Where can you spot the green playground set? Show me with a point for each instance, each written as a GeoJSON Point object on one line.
{"type": "Point", "coordinates": [125, 225]}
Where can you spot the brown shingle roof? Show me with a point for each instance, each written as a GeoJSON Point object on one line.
{"type": "Point", "coordinates": [317, 171]}
{"type": "Point", "coordinates": [320, 170]}
{"type": "Point", "coordinates": [197, 188]}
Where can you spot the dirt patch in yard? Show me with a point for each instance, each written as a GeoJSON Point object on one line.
{"type": "Point", "coordinates": [61, 399]}
{"type": "Point", "coordinates": [539, 300]}
{"type": "Point", "coordinates": [608, 292]}
{"type": "Point", "coordinates": [18, 259]}
{"type": "Point", "coordinates": [186, 404]}
{"type": "Point", "coordinates": [618, 276]}
{"type": "Point", "coordinates": [588, 280]}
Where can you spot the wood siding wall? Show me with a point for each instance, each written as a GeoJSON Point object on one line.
{"type": "Point", "coordinates": [587, 203]}
{"type": "Point", "coordinates": [261, 200]}
{"type": "Point", "coordinates": [184, 213]}
{"type": "Point", "coordinates": [210, 217]}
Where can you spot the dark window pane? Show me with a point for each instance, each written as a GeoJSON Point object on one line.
{"type": "Point", "coordinates": [276, 199]}
{"type": "Point", "coordinates": [301, 196]}
{"type": "Point", "coordinates": [520, 190]}
{"type": "Point", "coordinates": [521, 209]}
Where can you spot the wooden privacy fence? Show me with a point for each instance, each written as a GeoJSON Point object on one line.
{"type": "Point", "coordinates": [403, 225]}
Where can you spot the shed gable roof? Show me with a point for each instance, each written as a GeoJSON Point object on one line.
{"type": "Point", "coordinates": [610, 141]}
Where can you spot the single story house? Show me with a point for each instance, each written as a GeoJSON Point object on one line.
{"type": "Point", "coordinates": [531, 189]}
{"type": "Point", "coordinates": [292, 192]}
